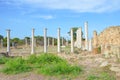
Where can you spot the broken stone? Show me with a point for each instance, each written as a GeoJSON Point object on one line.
{"type": "Point", "coordinates": [104, 64]}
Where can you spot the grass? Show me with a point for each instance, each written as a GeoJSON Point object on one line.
{"type": "Point", "coordinates": [3, 60]}
{"type": "Point", "coordinates": [16, 65]}
{"type": "Point", "coordinates": [101, 76]}
{"type": "Point", "coordinates": [47, 64]}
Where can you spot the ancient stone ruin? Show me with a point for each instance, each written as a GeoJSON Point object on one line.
{"type": "Point", "coordinates": [108, 40]}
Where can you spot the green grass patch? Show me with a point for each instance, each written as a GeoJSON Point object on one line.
{"type": "Point", "coordinates": [50, 64]}
{"type": "Point", "coordinates": [102, 76]}
{"type": "Point", "coordinates": [16, 65]}
{"type": "Point", "coordinates": [59, 69]}
{"type": "Point", "coordinates": [3, 60]}
{"type": "Point", "coordinates": [47, 64]}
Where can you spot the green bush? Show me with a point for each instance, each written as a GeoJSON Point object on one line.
{"type": "Point", "coordinates": [16, 65]}
{"type": "Point", "coordinates": [59, 69]}
{"type": "Point", "coordinates": [3, 60]}
{"type": "Point", "coordinates": [54, 65]}
{"type": "Point", "coordinates": [48, 64]}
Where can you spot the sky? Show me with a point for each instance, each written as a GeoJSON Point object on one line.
{"type": "Point", "coordinates": [20, 16]}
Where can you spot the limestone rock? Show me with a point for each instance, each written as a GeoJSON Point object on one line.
{"type": "Point", "coordinates": [115, 69]}
{"type": "Point", "coordinates": [104, 64]}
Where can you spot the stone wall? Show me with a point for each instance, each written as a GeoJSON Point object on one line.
{"type": "Point", "coordinates": [109, 41]}
{"type": "Point", "coordinates": [110, 36]}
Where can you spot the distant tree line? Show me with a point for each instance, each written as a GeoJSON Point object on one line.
{"type": "Point", "coordinates": [39, 40]}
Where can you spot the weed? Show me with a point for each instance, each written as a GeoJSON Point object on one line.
{"type": "Point", "coordinates": [16, 65]}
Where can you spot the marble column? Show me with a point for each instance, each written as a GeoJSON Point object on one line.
{"type": "Point", "coordinates": [79, 38]}
{"type": "Point", "coordinates": [13, 44]}
{"type": "Point", "coordinates": [72, 42]}
{"type": "Point", "coordinates": [90, 45]}
{"type": "Point", "coordinates": [8, 41]}
{"type": "Point", "coordinates": [32, 45]}
{"type": "Point", "coordinates": [45, 40]}
{"type": "Point", "coordinates": [58, 41]}
{"type": "Point", "coordinates": [86, 36]}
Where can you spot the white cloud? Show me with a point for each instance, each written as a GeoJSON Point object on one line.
{"type": "Point", "coordinates": [74, 5]}
{"type": "Point", "coordinates": [43, 16]}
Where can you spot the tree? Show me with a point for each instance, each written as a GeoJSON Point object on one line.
{"type": "Point", "coordinates": [74, 32]}
{"type": "Point", "coordinates": [17, 41]}
{"type": "Point", "coordinates": [1, 37]}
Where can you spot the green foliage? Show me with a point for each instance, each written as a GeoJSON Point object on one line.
{"type": "Point", "coordinates": [16, 65]}
{"type": "Point", "coordinates": [59, 69]}
{"type": "Point", "coordinates": [3, 60]}
{"type": "Point", "coordinates": [92, 77]}
{"type": "Point", "coordinates": [74, 33]}
{"type": "Point", "coordinates": [53, 65]}
{"type": "Point", "coordinates": [47, 64]}
{"type": "Point", "coordinates": [45, 58]}
{"type": "Point", "coordinates": [1, 37]}
{"type": "Point", "coordinates": [102, 76]}
{"type": "Point", "coordinates": [99, 49]}
{"type": "Point", "coordinates": [17, 41]}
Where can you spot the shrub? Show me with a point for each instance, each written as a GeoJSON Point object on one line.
{"type": "Point", "coordinates": [16, 65]}
{"type": "Point", "coordinates": [54, 65]}
{"type": "Point", "coordinates": [3, 60]}
{"type": "Point", "coordinates": [48, 64]}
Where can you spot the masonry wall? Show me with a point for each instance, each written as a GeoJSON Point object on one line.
{"type": "Point", "coordinates": [110, 36]}
{"type": "Point", "coordinates": [109, 41]}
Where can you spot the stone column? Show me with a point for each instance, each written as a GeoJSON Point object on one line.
{"type": "Point", "coordinates": [53, 41]}
{"type": "Point", "coordinates": [58, 40]}
{"type": "Point", "coordinates": [32, 45]}
{"type": "Point", "coordinates": [66, 42]}
{"type": "Point", "coordinates": [90, 45]}
{"type": "Point", "coordinates": [79, 38]}
{"type": "Point", "coordinates": [86, 35]}
{"type": "Point", "coordinates": [8, 41]}
{"type": "Point", "coordinates": [45, 40]}
{"type": "Point", "coordinates": [13, 44]}
{"type": "Point", "coordinates": [72, 42]}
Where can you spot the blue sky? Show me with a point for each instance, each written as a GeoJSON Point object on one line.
{"type": "Point", "coordinates": [22, 15]}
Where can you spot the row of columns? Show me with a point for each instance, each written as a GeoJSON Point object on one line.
{"type": "Point", "coordinates": [45, 41]}
{"type": "Point", "coordinates": [88, 43]}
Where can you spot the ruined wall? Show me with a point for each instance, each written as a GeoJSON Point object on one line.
{"type": "Point", "coordinates": [109, 41]}
{"type": "Point", "coordinates": [110, 36]}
